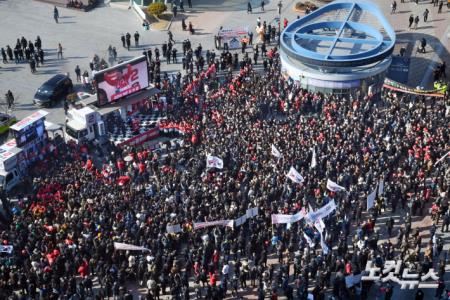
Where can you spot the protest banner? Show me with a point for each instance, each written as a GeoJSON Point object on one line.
{"type": "Point", "coordinates": [173, 228]}
{"type": "Point", "coordinates": [241, 220]}
{"type": "Point", "coordinates": [381, 187]}
{"type": "Point", "coordinates": [129, 247]}
{"type": "Point", "coordinates": [252, 212]}
{"type": "Point", "coordinates": [371, 199]}
{"type": "Point", "coordinates": [200, 225]}
{"type": "Point", "coordinates": [322, 212]}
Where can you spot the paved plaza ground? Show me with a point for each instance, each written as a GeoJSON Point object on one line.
{"type": "Point", "coordinates": [83, 35]}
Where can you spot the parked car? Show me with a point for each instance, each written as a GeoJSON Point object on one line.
{"type": "Point", "coordinates": [53, 90]}
{"type": "Point", "coordinates": [6, 121]}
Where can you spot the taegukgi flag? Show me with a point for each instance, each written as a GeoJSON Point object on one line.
{"type": "Point", "coordinates": [334, 187]}
{"type": "Point", "coordinates": [276, 152]}
{"type": "Point", "coordinates": [214, 162]}
{"type": "Point", "coordinates": [295, 176]}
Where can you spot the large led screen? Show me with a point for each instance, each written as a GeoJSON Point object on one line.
{"type": "Point", "coordinates": [122, 80]}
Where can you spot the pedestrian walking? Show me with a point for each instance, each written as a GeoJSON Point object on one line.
{"type": "Point", "coordinates": [60, 51]}
{"type": "Point", "coordinates": [122, 38]}
{"type": "Point", "coordinates": [416, 22]}
{"type": "Point", "coordinates": [262, 5]}
{"type": "Point", "coordinates": [114, 53]}
{"type": "Point", "coordinates": [4, 57]}
{"type": "Point", "coordinates": [174, 55]}
{"type": "Point", "coordinates": [411, 21]}
{"type": "Point", "coordinates": [190, 3]}
{"type": "Point", "coordinates": [440, 7]}
{"type": "Point", "coordinates": [9, 99]}
{"type": "Point", "coordinates": [55, 14]}
{"type": "Point", "coordinates": [32, 66]}
{"type": "Point", "coordinates": [280, 5]}
{"type": "Point", "coordinates": [423, 44]}
{"type": "Point", "coordinates": [171, 37]}
{"type": "Point", "coordinates": [41, 55]}
{"type": "Point", "coordinates": [174, 11]}
{"type": "Point", "coordinates": [9, 52]}
{"type": "Point", "coordinates": [16, 55]}
{"type": "Point", "coordinates": [36, 59]}
{"type": "Point", "coordinates": [249, 7]}
{"type": "Point", "coordinates": [136, 39]}
{"type": "Point", "coordinates": [38, 42]}
{"type": "Point", "coordinates": [425, 15]}
{"type": "Point", "coordinates": [128, 40]}
{"type": "Point", "coordinates": [168, 56]}
{"type": "Point", "coordinates": [393, 7]}
{"type": "Point", "coordinates": [78, 73]}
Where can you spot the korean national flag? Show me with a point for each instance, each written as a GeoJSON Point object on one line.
{"type": "Point", "coordinates": [295, 176]}
{"type": "Point", "coordinates": [214, 162]}
{"type": "Point", "coordinates": [276, 152]}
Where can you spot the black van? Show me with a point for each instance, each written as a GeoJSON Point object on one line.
{"type": "Point", "coordinates": [53, 90]}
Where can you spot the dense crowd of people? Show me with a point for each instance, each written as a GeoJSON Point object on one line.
{"type": "Point", "coordinates": [63, 236]}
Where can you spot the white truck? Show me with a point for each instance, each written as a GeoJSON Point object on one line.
{"type": "Point", "coordinates": [30, 143]}
{"type": "Point", "coordinates": [12, 165]}
{"type": "Point", "coordinates": [84, 124]}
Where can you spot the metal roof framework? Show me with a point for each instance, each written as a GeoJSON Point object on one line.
{"type": "Point", "coordinates": [376, 44]}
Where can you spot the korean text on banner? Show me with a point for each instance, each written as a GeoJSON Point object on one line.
{"type": "Point", "coordinates": [285, 219]}
{"type": "Point", "coordinates": [322, 212]}
{"type": "Point", "coordinates": [201, 225]}
{"type": "Point", "coordinates": [123, 246]}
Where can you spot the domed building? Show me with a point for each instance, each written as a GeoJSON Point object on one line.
{"type": "Point", "coordinates": [342, 48]}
